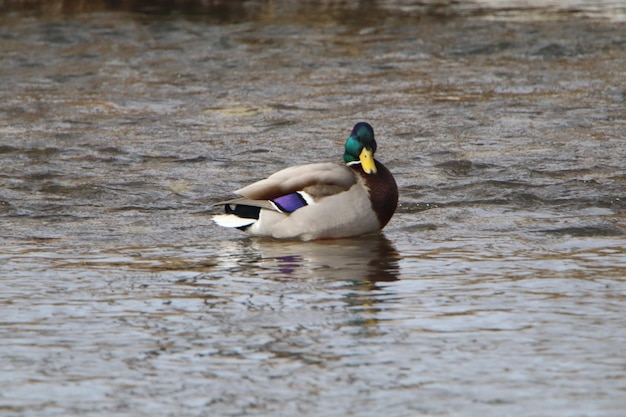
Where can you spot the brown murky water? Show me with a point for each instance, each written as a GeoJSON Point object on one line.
{"type": "Point", "coordinates": [497, 289]}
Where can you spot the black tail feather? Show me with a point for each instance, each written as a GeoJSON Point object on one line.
{"type": "Point", "coordinates": [243, 211]}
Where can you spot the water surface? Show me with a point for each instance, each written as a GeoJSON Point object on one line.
{"type": "Point", "coordinates": [497, 288]}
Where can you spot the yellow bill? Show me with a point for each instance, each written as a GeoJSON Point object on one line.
{"type": "Point", "coordinates": [367, 161]}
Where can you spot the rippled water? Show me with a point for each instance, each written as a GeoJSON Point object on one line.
{"type": "Point", "coordinates": [497, 289]}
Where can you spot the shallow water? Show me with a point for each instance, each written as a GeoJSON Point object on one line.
{"type": "Point", "coordinates": [497, 288]}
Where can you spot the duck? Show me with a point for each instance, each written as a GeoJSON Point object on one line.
{"type": "Point", "coordinates": [323, 200]}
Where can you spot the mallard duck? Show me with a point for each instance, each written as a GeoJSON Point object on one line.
{"type": "Point", "coordinates": [319, 201]}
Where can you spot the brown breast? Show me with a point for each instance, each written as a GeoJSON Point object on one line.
{"type": "Point", "coordinates": [383, 191]}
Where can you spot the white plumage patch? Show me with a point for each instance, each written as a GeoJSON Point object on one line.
{"type": "Point", "coordinates": [230, 220]}
{"type": "Point", "coordinates": [307, 197]}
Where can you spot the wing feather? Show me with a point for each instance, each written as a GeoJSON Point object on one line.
{"type": "Point", "coordinates": [266, 204]}
{"type": "Point", "coordinates": [326, 175]}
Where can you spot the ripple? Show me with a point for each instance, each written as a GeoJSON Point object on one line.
{"type": "Point", "coordinates": [496, 289]}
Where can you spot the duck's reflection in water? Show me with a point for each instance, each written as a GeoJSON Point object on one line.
{"type": "Point", "coordinates": [370, 258]}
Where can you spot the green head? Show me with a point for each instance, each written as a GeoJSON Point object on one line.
{"type": "Point", "coordinates": [360, 147]}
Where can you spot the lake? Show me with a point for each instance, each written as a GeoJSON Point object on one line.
{"type": "Point", "coordinates": [497, 289]}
